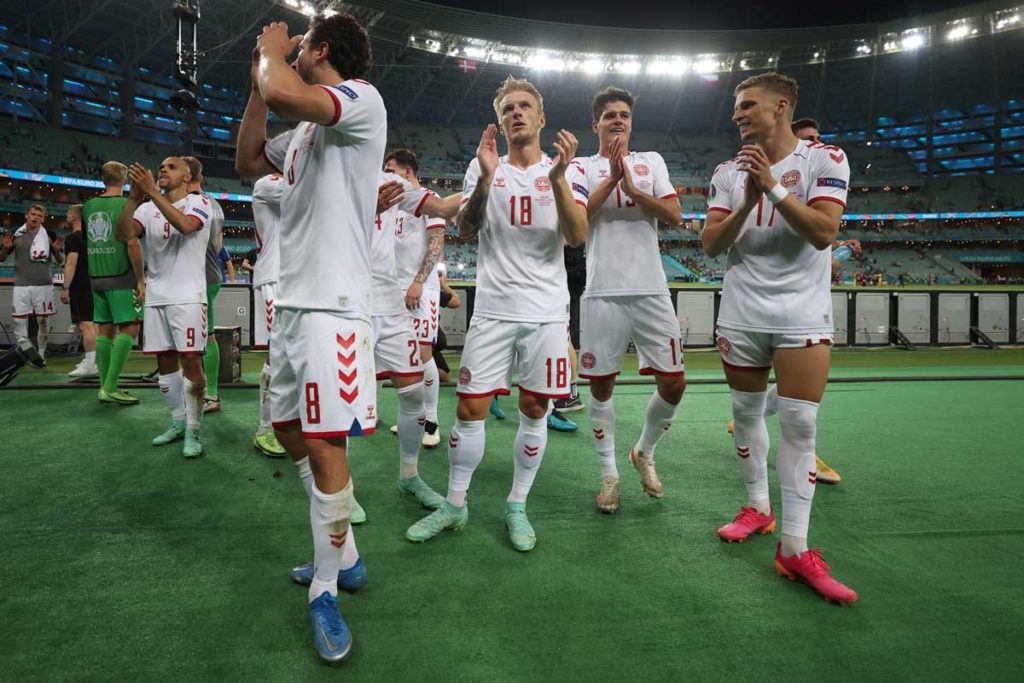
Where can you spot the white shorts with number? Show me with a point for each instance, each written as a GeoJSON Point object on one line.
{"type": "Point", "coordinates": [175, 327]}
{"type": "Point", "coordinates": [495, 347]}
{"type": "Point", "coordinates": [322, 365]}
{"type": "Point", "coordinates": [607, 325]}
{"type": "Point", "coordinates": [32, 300]}
{"type": "Point", "coordinates": [396, 352]}
{"type": "Point", "coordinates": [746, 350]}
{"type": "Point", "coordinates": [424, 318]}
{"type": "Point", "coordinates": [263, 316]}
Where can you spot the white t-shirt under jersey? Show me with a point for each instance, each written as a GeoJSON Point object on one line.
{"type": "Point", "coordinates": [520, 264]}
{"type": "Point", "coordinates": [411, 240]}
{"type": "Point", "coordinates": [266, 213]}
{"type": "Point", "coordinates": [775, 280]}
{"type": "Point", "coordinates": [387, 297]}
{"type": "Point", "coordinates": [328, 202]}
{"type": "Point", "coordinates": [175, 262]}
{"type": "Point", "coordinates": [622, 245]}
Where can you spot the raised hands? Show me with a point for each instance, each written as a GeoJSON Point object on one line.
{"type": "Point", "coordinates": [565, 145]}
{"type": "Point", "coordinates": [487, 152]}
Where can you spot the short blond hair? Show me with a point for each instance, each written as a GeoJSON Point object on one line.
{"type": "Point", "coordinates": [777, 83]}
{"type": "Point", "coordinates": [75, 210]}
{"type": "Point", "coordinates": [114, 173]}
{"type": "Point", "coordinates": [36, 206]}
{"type": "Point", "coordinates": [513, 84]}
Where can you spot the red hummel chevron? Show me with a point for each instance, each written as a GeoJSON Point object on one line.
{"type": "Point", "coordinates": [346, 343]}
{"type": "Point", "coordinates": [453, 441]}
{"type": "Point", "coordinates": [812, 477]}
{"type": "Point", "coordinates": [348, 378]}
{"type": "Point", "coordinates": [743, 452]}
{"type": "Point", "coordinates": [349, 396]}
{"type": "Point", "coordinates": [838, 158]}
{"type": "Point", "coordinates": [531, 450]}
{"type": "Point", "coordinates": [347, 360]}
{"type": "Point", "coordinates": [337, 540]}
{"type": "Point", "coordinates": [599, 434]}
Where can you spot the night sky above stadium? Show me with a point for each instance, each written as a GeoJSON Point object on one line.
{"type": "Point", "coordinates": [709, 14]}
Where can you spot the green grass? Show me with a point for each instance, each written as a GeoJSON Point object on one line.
{"type": "Point", "coordinates": [122, 561]}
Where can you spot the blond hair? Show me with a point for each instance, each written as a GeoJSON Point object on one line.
{"type": "Point", "coordinates": [114, 173]}
{"type": "Point", "coordinates": [36, 206]}
{"type": "Point", "coordinates": [774, 82]}
{"type": "Point", "coordinates": [513, 84]}
{"type": "Point", "coordinates": [75, 210]}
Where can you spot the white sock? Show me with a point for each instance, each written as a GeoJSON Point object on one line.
{"type": "Point", "coordinates": [193, 402]}
{"type": "Point", "coordinates": [410, 429]}
{"type": "Point", "coordinates": [796, 469]}
{"type": "Point", "coordinates": [657, 421]}
{"type": "Point", "coordinates": [602, 420]}
{"type": "Point", "coordinates": [528, 449]}
{"type": "Point", "coordinates": [305, 475]}
{"type": "Point", "coordinates": [172, 387]}
{"type": "Point", "coordinates": [771, 405]}
{"type": "Point", "coordinates": [43, 334]}
{"type": "Point", "coordinates": [90, 357]}
{"type": "Point", "coordinates": [265, 424]}
{"type": "Point", "coordinates": [465, 451]}
{"type": "Point", "coordinates": [349, 553]}
{"type": "Point", "coordinates": [20, 326]}
{"type": "Point", "coordinates": [751, 437]}
{"type": "Point", "coordinates": [431, 389]}
{"type": "Point", "coordinates": [329, 516]}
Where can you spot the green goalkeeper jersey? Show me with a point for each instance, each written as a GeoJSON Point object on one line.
{"type": "Point", "coordinates": [109, 265]}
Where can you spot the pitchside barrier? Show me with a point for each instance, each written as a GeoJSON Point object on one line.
{"type": "Point", "coordinates": [862, 317]}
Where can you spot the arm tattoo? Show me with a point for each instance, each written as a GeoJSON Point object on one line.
{"type": "Point", "coordinates": [471, 216]}
{"type": "Point", "coordinates": [435, 252]}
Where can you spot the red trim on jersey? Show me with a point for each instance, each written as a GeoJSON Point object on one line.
{"type": "Point", "coordinates": [419, 206]}
{"type": "Point", "coordinates": [597, 377]}
{"type": "Point", "coordinates": [387, 374]}
{"type": "Point", "coordinates": [335, 435]}
{"type": "Point", "coordinates": [337, 109]}
{"type": "Point", "coordinates": [423, 343]}
{"type": "Point", "coordinates": [719, 208]}
{"type": "Point", "coordinates": [746, 368]}
{"type": "Point", "coordinates": [21, 315]}
{"type": "Point", "coordinates": [270, 163]}
{"type": "Point", "coordinates": [464, 200]}
{"type": "Point", "coordinates": [285, 423]}
{"type": "Point", "coordinates": [359, 80]}
{"type": "Point", "coordinates": [581, 203]}
{"type": "Point", "coordinates": [261, 347]}
{"type": "Point", "coordinates": [486, 394]}
{"type": "Point", "coordinates": [661, 373]}
{"type": "Point", "coordinates": [139, 223]}
{"type": "Point", "coordinates": [180, 353]}
{"type": "Point", "coordinates": [538, 394]}
{"type": "Point", "coordinates": [436, 226]}
{"type": "Point", "coordinates": [811, 342]}
{"type": "Point", "coordinates": [674, 195]}
{"type": "Point", "coordinates": [827, 199]}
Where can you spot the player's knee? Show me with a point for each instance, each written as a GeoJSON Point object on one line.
{"type": "Point", "coordinates": [410, 397]}
{"type": "Point", "coordinates": [533, 407]}
{"type": "Point", "coordinates": [671, 389]}
{"type": "Point", "coordinates": [798, 419]}
{"type": "Point", "coordinates": [602, 389]}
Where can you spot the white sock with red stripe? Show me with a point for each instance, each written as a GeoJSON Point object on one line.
{"type": "Point", "coordinates": [796, 469]}
{"type": "Point", "coordinates": [172, 386]}
{"type": "Point", "coordinates": [431, 389]}
{"type": "Point", "coordinates": [751, 437]}
{"type": "Point", "coordinates": [657, 421]}
{"type": "Point", "coordinates": [528, 449]}
{"type": "Point", "coordinates": [410, 429]}
{"type": "Point", "coordinates": [265, 425]}
{"type": "Point", "coordinates": [329, 516]}
{"type": "Point", "coordinates": [350, 554]}
{"type": "Point", "coordinates": [602, 421]}
{"type": "Point", "coordinates": [465, 451]}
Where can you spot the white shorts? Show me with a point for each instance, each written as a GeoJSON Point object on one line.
{"type": "Point", "coordinates": [322, 370]}
{"type": "Point", "coordinates": [396, 352]}
{"type": "Point", "coordinates": [608, 323]}
{"type": "Point", "coordinates": [493, 349]}
{"type": "Point", "coordinates": [175, 327]}
{"type": "Point", "coordinates": [745, 350]}
{"type": "Point", "coordinates": [263, 316]}
{"type": "Point", "coordinates": [424, 318]}
{"type": "Point", "coordinates": [32, 300]}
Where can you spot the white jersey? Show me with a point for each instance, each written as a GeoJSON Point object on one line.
{"type": "Point", "coordinates": [623, 258]}
{"type": "Point", "coordinates": [775, 280]}
{"type": "Point", "coordinates": [328, 203]}
{"type": "Point", "coordinates": [175, 262]}
{"type": "Point", "coordinates": [387, 297]}
{"type": "Point", "coordinates": [520, 263]}
{"type": "Point", "coordinates": [266, 212]}
{"type": "Point", "coordinates": [411, 241]}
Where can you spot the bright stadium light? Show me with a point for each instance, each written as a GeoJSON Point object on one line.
{"type": "Point", "coordinates": [631, 67]}
{"type": "Point", "coordinates": [959, 33]}
{"type": "Point", "coordinates": [667, 66]}
{"type": "Point", "coordinates": [540, 61]}
{"type": "Point", "coordinates": [864, 49]}
{"type": "Point", "coordinates": [705, 65]}
{"type": "Point", "coordinates": [592, 66]}
{"type": "Point", "coordinates": [912, 41]}
{"type": "Point", "coordinates": [474, 52]}
{"type": "Point", "coordinates": [330, 12]}
{"type": "Point", "coordinates": [292, 3]}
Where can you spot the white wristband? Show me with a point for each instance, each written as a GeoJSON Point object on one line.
{"type": "Point", "coordinates": [777, 193]}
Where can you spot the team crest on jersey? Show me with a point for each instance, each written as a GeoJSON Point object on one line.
{"type": "Point", "coordinates": [790, 178]}
{"type": "Point", "coordinates": [587, 360]}
{"type": "Point", "coordinates": [464, 376]}
{"type": "Point", "coordinates": [724, 346]}
{"type": "Point", "coordinates": [642, 169]}
{"type": "Point", "coordinates": [542, 184]}
{"type": "Point", "coordinates": [499, 181]}
{"type": "Point", "coordinates": [99, 227]}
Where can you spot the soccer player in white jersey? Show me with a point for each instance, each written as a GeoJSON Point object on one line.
{"type": "Point", "coordinates": [776, 209]}
{"type": "Point", "coordinates": [627, 296]}
{"type": "Point", "coordinates": [321, 360]}
{"type": "Point", "coordinates": [266, 213]}
{"type": "Point", "coordinates": [419, 248]}
{"type": "Point", "coordinates": [525, 207]}
{"type": "Point", "coordinates": [174, 225]}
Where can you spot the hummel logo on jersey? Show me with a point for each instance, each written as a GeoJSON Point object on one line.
{"type": "Point", "coordinates": [599, 434]}
{"type": "Point", "coordinates": [812, 477]}
{"type": "Point", "coordinates": [531, 451]}
{"type": "Point", "coordinates": [743, 451]}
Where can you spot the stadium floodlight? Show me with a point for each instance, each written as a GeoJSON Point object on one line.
{"type": "Point", "coordinates": [959, 33]}
{"type": "Point", "coordinates": [667, 66]}
{"type": "Point", "coordinates": [592, 66]}
{"type": "Point", "coordinates": [912, 40]}
{"type": "Point", "coordinates": [474, 52]}
{"type": "Point", "coordinates": [865, 49]}
{"type": "Point", "coordinates": [630, 67]}
{"type": "Point", "coordinates": [542, 61]}
{"type": "Point", "coordinates": [292, 3]}
{"type": "Point", "coordinates": [705, 65]}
